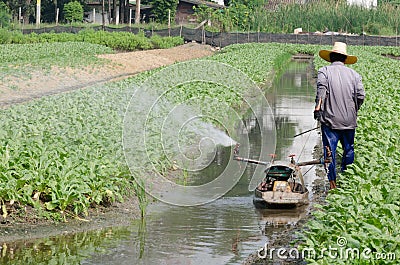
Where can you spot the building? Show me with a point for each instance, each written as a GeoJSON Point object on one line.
{"type": "Point", "coordinates": [363, 3]}
{"type": "Point", "coordinates": [185, 12]}
{"type": "Point", "coordinates": [95, 13]}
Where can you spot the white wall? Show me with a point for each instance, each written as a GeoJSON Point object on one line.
{"type": "Point", "coordinates": [98, 17]}
{"type": "Point", "coordinates": [364, 3]}
{"type": "Point", "coordinates": [220, 2]}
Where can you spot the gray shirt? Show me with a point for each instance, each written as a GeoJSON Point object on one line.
{"type": "Point", "coordinates": [342, 94]}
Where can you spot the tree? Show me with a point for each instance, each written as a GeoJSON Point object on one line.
{"type": "Point", "coordinates": [73, 11]}
{"type": "Point", "coordinates": [49, 9]}
{"type": "Point", "coordinates": [5, 15]}
{"type": "Point", "coordinates": [115, 11]}
{"type": "Point", "coordinates": [137, 12]}
{"type": "Point", "coordinates": [28, 8]}
{"type": "Point", "coordinates": [123, 11]}
{"type": "Point", "coordinates": [161, 7]}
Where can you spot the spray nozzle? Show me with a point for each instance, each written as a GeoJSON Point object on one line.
{"type": "Point", "coordinates": [236, 150]}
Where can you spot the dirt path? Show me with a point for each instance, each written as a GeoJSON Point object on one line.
{"type": "Point", "coordinates": [121, 65]}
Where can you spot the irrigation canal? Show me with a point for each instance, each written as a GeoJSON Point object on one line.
{"type": "Point", "coordinates": [225, 231]}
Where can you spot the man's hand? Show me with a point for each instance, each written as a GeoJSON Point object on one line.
{"type": "Point", "coordinates": [317, 115]}
{"type": "Point", "coordinates": [317, 110]}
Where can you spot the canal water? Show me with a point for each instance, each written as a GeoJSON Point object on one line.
{"type": "Point", "coordinates": [225, 231]}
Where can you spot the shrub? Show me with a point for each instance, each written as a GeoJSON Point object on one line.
{"type": "Point", "coordinates": [125, 41]}
{"type": "Point", "coordinates": [5, 36]}
{"type": "Point", "coordinates": [165, 42]}
{"type": "Point", "coordinates": [161, 7]}
{"type": "Point", "coordinates": [73, 11]}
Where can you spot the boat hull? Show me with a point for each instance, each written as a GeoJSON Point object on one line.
{"type": "Point", "coordinates": [279, 199]}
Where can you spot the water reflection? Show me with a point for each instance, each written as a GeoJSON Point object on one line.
{"type": "Point", "coordinates": [276, 217]}
{"type": "Point", "coordinates": [225, 231]}
{"type": "Point", "coordinates": [222, 232]}
{"type": "Point", "coordinates": [63, 249]}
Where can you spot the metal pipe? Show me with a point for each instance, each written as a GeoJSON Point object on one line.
{"type": "Point", "coordinates": [250, 160]}
{"type": "Point", "coordinates": [315, 162]}
{"type": "Point", "coordinates": [306, 131]}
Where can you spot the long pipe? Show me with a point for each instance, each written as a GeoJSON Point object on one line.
{"type": "Point", "coordinates": [306, 131]}
{"type": "Point", "coordinates": [250, 160]}
{"type": "Point", "coordinates": [314, 162]}
{"type": "Point", "coordinates": [306, 163]}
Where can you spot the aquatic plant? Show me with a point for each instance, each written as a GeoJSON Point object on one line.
{"type": "Point", "coordinates": [140, 192]}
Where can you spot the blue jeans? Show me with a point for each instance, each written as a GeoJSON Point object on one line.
{"type": "Point", "coordinates": [330, 138]}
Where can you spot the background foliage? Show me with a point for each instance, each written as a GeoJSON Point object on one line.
{"type": "Point", "coordinates": [314, 16]}
{"type": "Point", "coordinates": [161, 7]}
{"type": "Point", "coordinates": [257, 15]}
{"type": "Point", "coordinates": [4, 15]}
{"type": "Point", "coordinates": [73, 11]}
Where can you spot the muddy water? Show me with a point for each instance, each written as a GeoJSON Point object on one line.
{"type": "Point", "coordinates": [225, 231]}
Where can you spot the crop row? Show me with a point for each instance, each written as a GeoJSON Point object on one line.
{"type": "Point", "coordinates": [116, 40]}
{"type": "Point", "coordinates": [364, 210]}
{"type": "Point", "coordinates": [64, 153]}
{"type": "Point", "coordinates": [62, 54]}
{"type": "Point", "coordinates": [66, 50]}
{"type": "Point", "coordinates": [23, 59]}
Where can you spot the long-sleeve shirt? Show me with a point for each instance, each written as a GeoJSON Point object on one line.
{"type": "Point", "coordinates": [342, 94]}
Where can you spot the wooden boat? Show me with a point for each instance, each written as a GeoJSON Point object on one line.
{"type": "Point", "coordinates": [283, 184]}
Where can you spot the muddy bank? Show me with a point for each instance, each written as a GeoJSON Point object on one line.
{"type": "Point", "coordinates": [31, 227]}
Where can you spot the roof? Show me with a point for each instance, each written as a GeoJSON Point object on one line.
{"type": "Point", "coordinates": [194, 2]}
{"type": "Point", "coordinates": [133, 2]}
{"type": "Point", "coordinates": [201, 2]}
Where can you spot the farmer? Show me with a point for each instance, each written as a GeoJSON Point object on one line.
{"type": "Point", "coordinates": [340, 94]}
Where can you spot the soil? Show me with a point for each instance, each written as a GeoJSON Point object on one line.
{"type": "Point", "coordinates": [120, 65]}
{"type": "Point", "coordinates": [23, 222]}
{"type": "Point", "coordinates": [392, 56]}
{"type": "Point", "coordinates": [30, 226]}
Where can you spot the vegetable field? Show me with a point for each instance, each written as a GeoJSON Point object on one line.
{"type": "Point", "coordinates": [365, 208]}
{"type": "Point", "coordinates": [63, 154]}
{"type": "Point", "coordinates": [125, 41]}
{"type": "Point", "coordinates": [20, 60]}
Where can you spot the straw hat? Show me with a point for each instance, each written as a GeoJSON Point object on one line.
{"type": "Point", "coordinates": [338, 47]}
